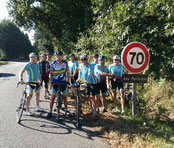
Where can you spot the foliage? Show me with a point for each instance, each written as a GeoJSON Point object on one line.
{"type": "Point", "coordinates": [149, 22]}
{"type": "Point", "coordinates": [14, 44]}
{"type": "Point", "coordinates": [43, 42]}
{"type": "Point", "coordinates": [62, 20]}
{"type": "Point", "coordinates": [103, 26]}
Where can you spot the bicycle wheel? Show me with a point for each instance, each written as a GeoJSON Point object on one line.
{"type": "Point", "coordinates": [20, 109]}
{"type": "Point", "coordinates": [59, 105]}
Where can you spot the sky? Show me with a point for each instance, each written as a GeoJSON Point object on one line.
{"type": "Point", "coordinates": [4, 15]}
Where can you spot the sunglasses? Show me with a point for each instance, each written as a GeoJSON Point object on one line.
{"type": "Point", "coordinates": [83, 59]}
{"type": "Point", "coordinates": [116, 60]}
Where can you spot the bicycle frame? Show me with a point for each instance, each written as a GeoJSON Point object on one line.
{"type": "Point", "coordinates": [23, 99]}
{"type": "Point", "coordinates": [59, 97]}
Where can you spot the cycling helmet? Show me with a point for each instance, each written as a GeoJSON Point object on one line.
{"type": "Point", "coordinates": [83, 57]}
{"type": "Point", "coordinates": [33, 54]}
{"type": "Point", "coordinates": [43, 55]}
{"type": "Point", "coordinates": [95, 55]}
{"type": "Point", "coordinates": [71, 55]}
{"type": "Point", "coordinates": [116, 57]}
{"type": "Point", "coordinates": [101, 57]}
{"type": "Point", "coordinates": [58, 53]}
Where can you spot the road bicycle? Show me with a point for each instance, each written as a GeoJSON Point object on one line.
{"type": "Point", "coordinates": [78, 100]}
{"type": "Point", "coordinates": [23, 99]}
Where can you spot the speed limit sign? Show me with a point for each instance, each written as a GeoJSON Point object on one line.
{"type": "Point", "coordinates": [135, 57]}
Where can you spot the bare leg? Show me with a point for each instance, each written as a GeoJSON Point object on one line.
{"type": "Point", "coordinates": [37, 98]}
{"type": "Point", "coordinates": [65, 101]}
{"type": "Point", "coordinates": [52, 101]}
{"type": "Point", "coordinates": [104, 101]}
{"type": "Point", "coordinates": [97, 101]}
{"type": "Point", "coordinates": [122, 99]}
{"type": "Point", "coordinates": [28, 101]}
{"type": "Point", "coordinates": [46, 91]}
{"type": "Point", "coordinates": [114, 94]}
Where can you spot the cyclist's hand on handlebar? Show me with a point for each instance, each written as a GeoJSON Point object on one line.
{"type": "Point", "coordinates": [21, 82]}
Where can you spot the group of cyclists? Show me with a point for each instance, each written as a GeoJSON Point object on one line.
{"type": "Point", "coordinates": [97, 76]}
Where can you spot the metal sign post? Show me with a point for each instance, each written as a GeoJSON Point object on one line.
{"type": "Point", "coordinates": [134, 99]}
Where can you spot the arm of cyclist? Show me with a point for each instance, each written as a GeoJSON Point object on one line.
{"type": "Point", "coordinates": [68, 76]}
{"type": "Point", "coordinates": [40, 80]}
{"type": "Point", "coordinates": [51, 77]}
{"type": "Point", "coordinates": [104, 73]}
{"type": "Point", "coordinates": [75, 72]}
{"type": "Point", "coordinates": [21, 76]}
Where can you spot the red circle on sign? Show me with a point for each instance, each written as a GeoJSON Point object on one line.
{"type": "Point", "coordinates": [124, 57]}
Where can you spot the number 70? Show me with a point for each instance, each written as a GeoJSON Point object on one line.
{"type": "Point", "coordinates": [139, 57]}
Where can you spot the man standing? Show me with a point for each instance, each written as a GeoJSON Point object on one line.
{"type": "Point", "coordinates": [73, 68]}
{"type": "Point", "coordinates": [95, 60]}
{"type": "Point", "coordinates": [101, 71]}
{"type": "Point", "coordinates": [59, 71]}
{"type": "Point", "coordinates": [49, 56]}
{"type": "Point", "coordinates": [33, 76]}
{"type": "Point", "coordinates": [86, 75]}
{"type": "Point", "coordinates": [44, 71]}
{"type": "Point", "coordinates": [117, 70]}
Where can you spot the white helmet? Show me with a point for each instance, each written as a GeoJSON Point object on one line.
{"type": "Point", "coordinates": [33, 54]}
{"type": "Point", "coordinates": [116, 57]}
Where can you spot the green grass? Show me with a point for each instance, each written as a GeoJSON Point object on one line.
{"type": "Point", "coordinates": [4, 62]}
{"type": "Point", "coordinates": [150, 127]}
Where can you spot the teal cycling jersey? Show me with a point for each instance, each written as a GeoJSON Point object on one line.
{"type": "Point", "coordinates": [32, 72]}
{"type": "Point", "coordinates": [93, 65]}
{"type": "Point", "coordinates": [117, 70]}
{"type": "Point", "coordinates": [86, 74]}
{"type": "Point", "coordinates": [99, 69]}
{"type": "Point", "coordinates": [72, 66]}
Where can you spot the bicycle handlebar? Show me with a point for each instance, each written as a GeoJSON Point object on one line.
{"type": "Point", "coordinates": [26, 83]}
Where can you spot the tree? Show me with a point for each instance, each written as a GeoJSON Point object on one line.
{"type": "Point", "coordinates": [150, 22]}
{"type": "Point", "coordinates": [14, 44]}
{"type": "Point", "coordinates": [61, 20]}
{"type": "Point", "coordinates": [43, 43]}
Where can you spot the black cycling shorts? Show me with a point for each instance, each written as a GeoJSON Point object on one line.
{"type": "Point", "coordinates": [101, 87]}
{"type": "Point", "coordinates": [73, 79]}
{"type": "Point", "coordinates": [45, 79]}
{"type": "Point", "coordinates": [62, 87]}
{"type": "Point", "coordinates": [117, 84]}
{"type": "Point", "coordinates": [92, 89]}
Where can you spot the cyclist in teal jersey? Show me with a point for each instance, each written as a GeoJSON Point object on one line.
{"type": "Point", "coordinates": [101, 72]}
{"type": "Point", "coordinates": [33, 76]}
{"type": "Point", "coordinates": [73, 68]}
{"type": "Point", "coordinates": [95, 60]}
{"type": "Point", "coordinates": [59, 70]}
{"type": "Point", "coordinates": [49, 56]}
{"type": "Point", "coordinates": [117, 69]}
{"type": "Point", "coordinates": [86, 75]}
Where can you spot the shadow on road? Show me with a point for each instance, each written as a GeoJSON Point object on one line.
{"type": "Point", "coordinates": [7, 75]}
{"type": "Point", "coordinates": [65, 125]}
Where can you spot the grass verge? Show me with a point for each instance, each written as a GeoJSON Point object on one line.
{"type": "Point", "coordinates": [153, 126]}
{"type": "Point", "coordinates": [4, 62]}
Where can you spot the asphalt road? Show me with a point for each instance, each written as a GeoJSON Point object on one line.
{"type": "Point", "coordinates": [37, 131]}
